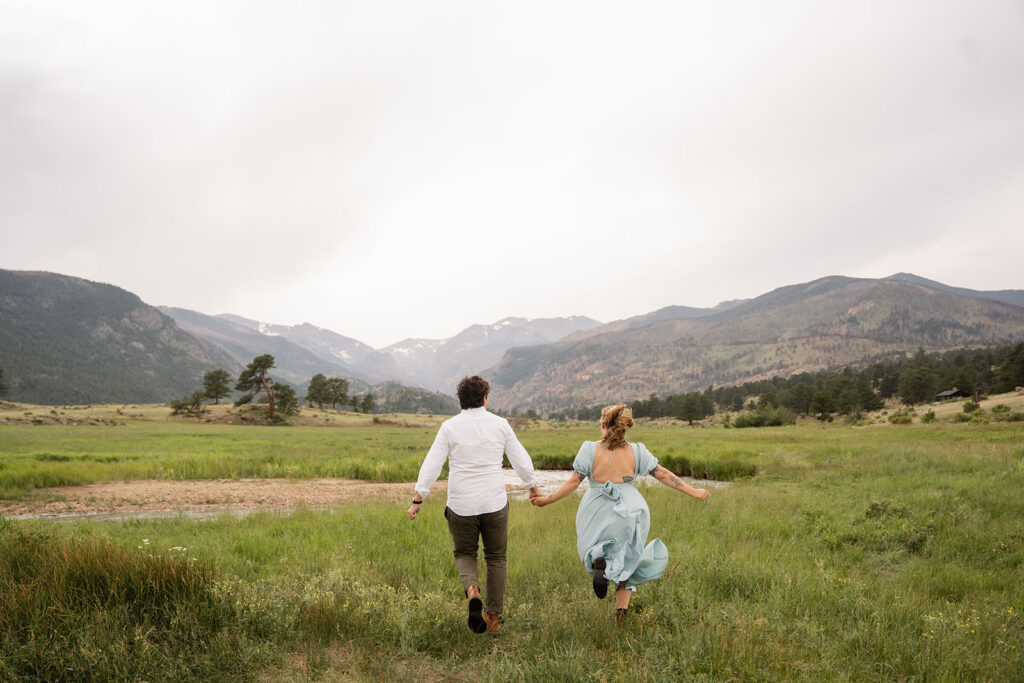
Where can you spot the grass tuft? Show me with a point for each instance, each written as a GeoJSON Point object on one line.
{"type": "Point", "coordinates": [85, 609]}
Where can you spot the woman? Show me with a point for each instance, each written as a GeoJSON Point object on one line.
{"type": "Point", "coordinates": [613, 519]}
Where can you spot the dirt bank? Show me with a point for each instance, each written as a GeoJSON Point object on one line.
{"type": "Point", "coordinates": [145, 498]}
{"type": "Point", "coordinates": [201, 496]}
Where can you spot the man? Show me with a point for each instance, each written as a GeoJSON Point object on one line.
{"type": "Point", "coordinates": [473, 442]}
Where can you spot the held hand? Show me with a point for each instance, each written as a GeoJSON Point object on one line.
{"type": "Point", "coordinates": [413, 511]}
{"type": "Point", "coordinates": [540, 501]}
{"type": "Point", "coordinates": [702, 494]}
{"type": "Point", "coordinates": [534, 492]}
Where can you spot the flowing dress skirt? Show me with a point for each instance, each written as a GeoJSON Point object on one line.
{"type": "Point", "coordinates": [612, 522]}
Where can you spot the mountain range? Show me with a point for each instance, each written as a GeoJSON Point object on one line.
{"type": "Point", "coordinates": [64, 340]}
{"type": "Point", "coordinates": [301, 351]}
{"type": "Point", "coordinates": [830, 322]}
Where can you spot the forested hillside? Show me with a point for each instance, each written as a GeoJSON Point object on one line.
{"type": "Point", "coordinates": [911, 378]}
{"type": "Point", "coordinates": [68, 340]}
{"type": "Point", "coordinates": [392, 397]}
{"type": "Point", "coordinates": [827, 323]}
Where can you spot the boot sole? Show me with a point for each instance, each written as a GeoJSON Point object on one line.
{"type": "Point", "coordinates": [476, 616]}
{"type": "Point", "coordinates": [600, 583]}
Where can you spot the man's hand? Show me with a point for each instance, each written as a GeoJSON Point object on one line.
{"type": "Point", "coordinates": [534, 492]}
{"type": "Point", "coordinates": [414, 510]}
{"type": "Point", "coordinates": [701, 494]}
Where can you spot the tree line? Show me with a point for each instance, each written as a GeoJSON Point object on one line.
{"type": "Point", "coordinates": [333, 391]}
{"type": "Point", "coordinates": [281, 398]}
{"type": "Point", "coordinates": [910, 378]}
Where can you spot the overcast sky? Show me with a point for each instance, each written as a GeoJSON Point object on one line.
{"type": "Point", "coordinates": [406, 169]}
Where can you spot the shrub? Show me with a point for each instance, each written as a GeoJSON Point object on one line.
{"type": "Point", "coordinates": [970, 406]}
{"type": "Point", "coordinates": [765, 416]}
{"type": "Point", "coordinates": [929, 416]}
{"type": "Point", "coordinates": [188, 405]}
{"type": "Point", "coordinates": [749, 419]}
{"type": "Point", "coordinates": [1001, 412]}
{"type": "Point", "coordinates": [901, 417]}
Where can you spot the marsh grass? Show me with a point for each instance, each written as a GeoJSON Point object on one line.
{"type": "Point", "coordinates": [878, 553]}
{"type": "Point", "coordinates": [34, 457]}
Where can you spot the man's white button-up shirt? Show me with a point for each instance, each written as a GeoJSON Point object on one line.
{"type": "Point", "coordinates": [473, 442]}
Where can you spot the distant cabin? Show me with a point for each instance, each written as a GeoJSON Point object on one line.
{"type": "Point", "coordinates": [952, 393]}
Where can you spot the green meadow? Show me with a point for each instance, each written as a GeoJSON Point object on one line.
{"type": "Point", "coordinates": [837, 553]}
{"type": "Point", "coordinates": [34, 457]}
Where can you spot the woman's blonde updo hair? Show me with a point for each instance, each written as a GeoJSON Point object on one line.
{"type": "Point", "coordinates": [617, 419]}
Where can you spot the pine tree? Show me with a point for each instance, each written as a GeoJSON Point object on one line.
{"type": "Point", "coordinates": [254, 380]}
{"type": "Point", "coordinates": [318, 391]}
{"type": "Point", "coordinates": [287, 399]}
{"type": "Point", "coordinates": [217, 384]}
{"type": "Point", "coordinates": [337, 391]}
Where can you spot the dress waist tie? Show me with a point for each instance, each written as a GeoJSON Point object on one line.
{"type": "Point", "coordinates": [610, 490]}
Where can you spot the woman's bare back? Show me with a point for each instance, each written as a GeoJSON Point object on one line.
{"type": "Point", "coordinates": [613, 465]}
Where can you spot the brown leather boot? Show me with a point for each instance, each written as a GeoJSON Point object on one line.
{"type": "Point", "coordinates": [493, 624]}
{"type": "Point", "coordinates": [476, 608]}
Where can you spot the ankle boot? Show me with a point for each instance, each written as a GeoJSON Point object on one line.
{"type": "Point", "coordinates": [475, 619]}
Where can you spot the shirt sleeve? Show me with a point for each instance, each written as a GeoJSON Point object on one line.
{"type": "Point", "coordinates": [518, 457]}
{"type": "Point", "coordinates": [430, 470]}
{"type": "Point", "coordinates": [584, 462]}
{"type": "Point", "coordinates": [646, 462]}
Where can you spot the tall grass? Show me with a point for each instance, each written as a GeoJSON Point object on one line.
{"type": "Point", "coordinates": [85, 609]}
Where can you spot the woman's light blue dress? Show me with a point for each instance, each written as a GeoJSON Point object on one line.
{"type": "Point", "coordinates": [613, 521]}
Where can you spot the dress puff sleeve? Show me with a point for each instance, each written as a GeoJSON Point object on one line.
{"type": "Point", "coordinates": [584, 462]}
{"type": "Point", "coordinates": [646, 462]}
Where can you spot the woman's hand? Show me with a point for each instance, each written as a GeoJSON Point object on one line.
{"type": "Point", "coordinates": [570, 485]}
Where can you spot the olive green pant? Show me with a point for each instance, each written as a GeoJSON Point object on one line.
{"type": "Point", "coordinates": [492, 527]}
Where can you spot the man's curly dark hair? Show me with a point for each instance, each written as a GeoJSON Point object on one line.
{"type": "Point", "coordinates": [472, 391]}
